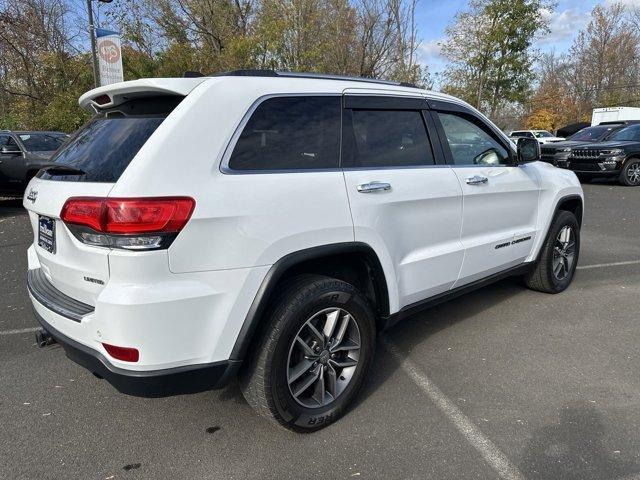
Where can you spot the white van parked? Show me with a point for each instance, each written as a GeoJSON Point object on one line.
{"type": "Point", "coordinates": [268, 225]}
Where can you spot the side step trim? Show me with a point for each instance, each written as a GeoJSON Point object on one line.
{"type": "Point", "coordinates": [54, 299]}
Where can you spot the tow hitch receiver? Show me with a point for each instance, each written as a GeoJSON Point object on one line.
{"type": "Point", "coordinates": [44, 338]}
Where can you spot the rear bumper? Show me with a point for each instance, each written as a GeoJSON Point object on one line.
{"type": "Point", "coordinates": [148, 383]}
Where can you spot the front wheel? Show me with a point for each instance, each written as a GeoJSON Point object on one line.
{"type": "Point", "coordinates": [556, 265]}
{"type": "Point", "coordinates": [630, 174]}
{"type": "Point", "coordinates": [314, 355]}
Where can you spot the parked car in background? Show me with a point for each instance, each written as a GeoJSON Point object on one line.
{"type": "Point", "coordinates": [557, 153]}
{"type": "Point", "coordinates": [174, 249]}
{"type": "Point", "coordinates": [541, 135]}
{"type": "Point", "coordinates": [618, 157]}
{"type": "Point", "coordinates": [22, 154]}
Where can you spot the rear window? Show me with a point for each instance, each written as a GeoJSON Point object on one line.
{"type": "Point", "coordinates": [103, 148]}
{"type": "Point", "coordinates": [591, 134]}
{"type": "Point", "coordinates": [42, 142]}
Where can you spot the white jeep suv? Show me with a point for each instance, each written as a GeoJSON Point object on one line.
{"type": "Point", "coordinates": [267, 225]}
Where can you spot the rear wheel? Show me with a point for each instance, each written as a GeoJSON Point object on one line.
{"type": "Point", "coordinates": [630, 174]}
{"type": "Point", "coordinates": [314, 354]}
{"type": "Point", "coordinates": [556, 265]}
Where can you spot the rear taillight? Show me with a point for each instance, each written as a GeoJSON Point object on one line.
{"type": "Point", "coordinates": [129, 223]}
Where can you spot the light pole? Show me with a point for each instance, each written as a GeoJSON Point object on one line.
{"type": "Point", "coordinates": [92, 35]}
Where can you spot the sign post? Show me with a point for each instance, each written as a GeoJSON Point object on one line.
{"type": "Point", "coordinates": [109, 56]}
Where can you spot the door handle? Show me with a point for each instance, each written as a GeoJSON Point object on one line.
{"type": "Point", "coordinates": [373, 187]}
{"type": "Point", "coordinates": [477, 180]}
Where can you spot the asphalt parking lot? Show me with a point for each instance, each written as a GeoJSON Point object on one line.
{"type": "Point", "coordinates": [503, 383]}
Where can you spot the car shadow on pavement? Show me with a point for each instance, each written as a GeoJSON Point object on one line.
{"type": "Point", "coordinates": [10, 207]}
{"type": "Point", "coordinates": [574, 449]}
{"type": "Point", "coordinates": [414, 330]}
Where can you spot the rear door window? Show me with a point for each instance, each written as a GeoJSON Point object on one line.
{"type": "Point", "coordinates": [102, 149]}
{"type": "Point", "coordinates": [386, 138]}
{"type": "Point", "coordinates": [290, 133]}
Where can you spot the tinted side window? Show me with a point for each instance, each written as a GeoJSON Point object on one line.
{"type": "Point", "coordinates": [3, 140]}
{"type": "Point", "coordinates": [470, 144]}
{"type": "Point", "coordinates": [290, 133]}
{"type": "Point", "coordinates": [386, 138]}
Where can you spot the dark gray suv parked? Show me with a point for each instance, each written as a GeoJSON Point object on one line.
{"type": "Point", "coordinates": [22, 154]}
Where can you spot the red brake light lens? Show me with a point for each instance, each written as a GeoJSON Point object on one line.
{"type": "Point", "coordinates": [125, 354]}
{"type": "Point", "coordinates": [128, 223]}
{"type": "Point", "coordinates": [129, 216]}
{"type": "Point", "coordinates": [83, 211]}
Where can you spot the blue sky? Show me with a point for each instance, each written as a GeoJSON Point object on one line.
{"type": "Point", "coordinates": [433, 16]}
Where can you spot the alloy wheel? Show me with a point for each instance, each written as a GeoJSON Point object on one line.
{"type": "Point", "coordinates": [564, 253]}
{"type": "Point", "coordinates": [633, 173]}
{"type": "Point", "coordinates": [323, 357]}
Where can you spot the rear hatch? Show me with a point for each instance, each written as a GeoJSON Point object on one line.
{"type": "Point", "coordinates": [89, 165]}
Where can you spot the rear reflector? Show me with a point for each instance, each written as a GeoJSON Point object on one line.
{"type": "Point", "coordinates": [125, 354]}
{"type": "Point", "coordinates": [131, 223]}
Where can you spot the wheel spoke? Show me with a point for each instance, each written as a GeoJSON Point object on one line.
{"type": "Point", "coordinates": [296, 372]}
{"type": "Point", "coordinates": [557, 266]}
{"type": "Point", "coordinates": [313, 376]}
{"type": "Point", "coordinates": [314, 331]}
{"type": "Point", "coordinates": [344, 363]}
{"type": "Point", "coordinates": [332, 378]}
{"type": "Point", "coordinates": [341, 330]}
{"type": "Point", "coordinates": [330, 323]}
{"type": "Point", "coordinates": [347, 345]}
{"type": "Point", "coordinates": [308, 351]}
{"type": "Point", "coordinates": [319, 388]}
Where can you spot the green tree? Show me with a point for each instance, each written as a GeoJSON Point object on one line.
{"type": "Point", "coordinates": [490, 51]}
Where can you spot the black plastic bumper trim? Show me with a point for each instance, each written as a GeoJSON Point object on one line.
{"type": "Point", "coordinates": [54, 299]}
{"type": "Point", "coordinates": [154, 383]}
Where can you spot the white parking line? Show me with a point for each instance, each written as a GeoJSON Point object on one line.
{"type": "Point", "coordinates": [19, 330]}
{"type": "Point", "coordinates": [603, 265]}
{"type": "Point", "coordinates": [492, 455]}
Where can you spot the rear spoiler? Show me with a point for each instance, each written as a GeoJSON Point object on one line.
{"type": "Point", "coordinates": [117, 93]}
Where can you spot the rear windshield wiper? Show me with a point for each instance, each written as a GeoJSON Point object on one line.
{"type": "Point", "coordinates": [63, 170]}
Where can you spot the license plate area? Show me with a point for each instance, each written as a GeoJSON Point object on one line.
{"type": "Point", "coordinates": [47, 233]}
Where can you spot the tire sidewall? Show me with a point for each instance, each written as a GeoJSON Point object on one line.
{"type": "Point", "coordinates": [308, 419]}
{"type": "Point", "coordinates": [563, 219]}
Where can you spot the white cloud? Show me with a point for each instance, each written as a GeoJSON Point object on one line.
{"type": "Point", "coordinates": [430, 54]}
{"type": "Point", "coordinates": [564, 25]}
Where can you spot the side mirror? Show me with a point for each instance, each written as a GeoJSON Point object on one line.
{"type": "Point", "coordinates": [528, 150]}
{"type": "Point", "coordinates": [10, 150]}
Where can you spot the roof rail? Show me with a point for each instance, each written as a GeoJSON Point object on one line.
{"type": "Point", "coordinates": [192, 74]}
{"type": "Point", "coordinates": [318, 76]}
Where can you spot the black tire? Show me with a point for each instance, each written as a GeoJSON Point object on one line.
{"type": "Point", "coordinates": [264, 380]}
{"type": "Point", "coordinates": [629, 175]}
{"type": "Point", "coordinates": [542, 277]}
